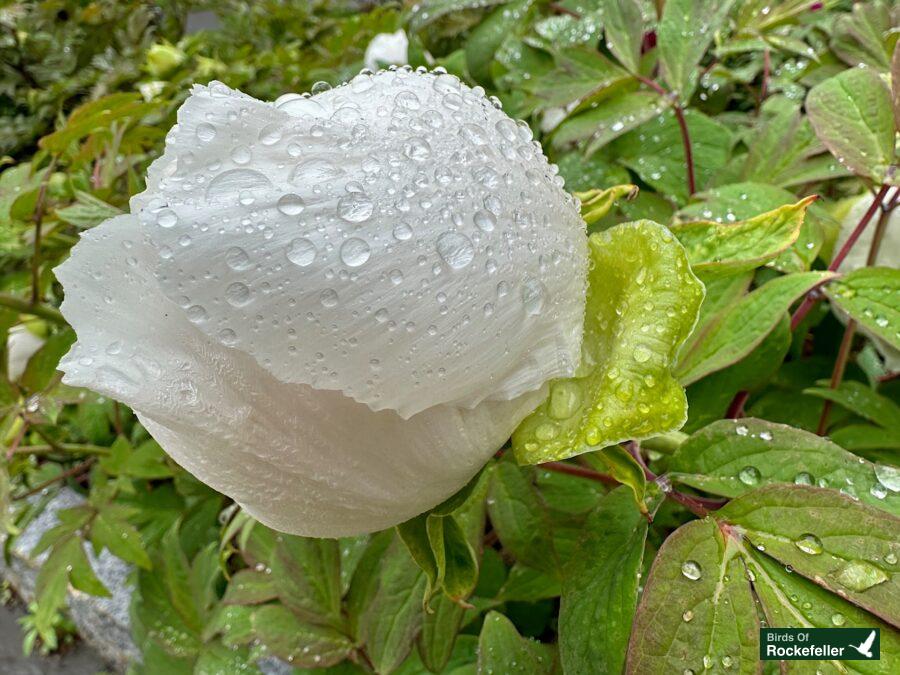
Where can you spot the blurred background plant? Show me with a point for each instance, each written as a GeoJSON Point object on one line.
{"type": "Point", "coordinates": [704, 106]}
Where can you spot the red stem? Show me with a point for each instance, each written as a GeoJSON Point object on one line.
{"type": "Point", "coordinates": [682, 124]}
{"type": "Point", "coordinates": [813, 297]}
{"type": "Point", "coordinates": [736, 407]}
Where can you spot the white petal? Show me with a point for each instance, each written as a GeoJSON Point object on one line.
{"type": "Point", "coordinates": [398, 239]}
{"type": "Point", "coordinates": [386, 49]}
{"type": "Point", "coordinates": [21, 344]}
{"type": "Point", "coordinates": [310, 462]}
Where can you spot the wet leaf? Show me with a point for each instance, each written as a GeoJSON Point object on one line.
{"type": "Point", "coordinates": [502, 650]}
{"type": "Point", "coordinates": [852, 115]}
{"type": "Point", "coordinates": [600, 587]}
{"type": "Point", "coordinates": [733, 457]}
{"type": "Point", "coordinates": [642, 304]}
{"type": "Point", "coordinates": [871, 295]}
{"type": "Point", "coordinates": [610, 118]}
{"type": "Point", "coordinates": [624, 26]}
{"type": "Point", "coordinates": [303, 644]}
{"type": "Point", "coordinates": [685, 30]}
{"type": "Point", "coordinates": [697, 611]}
{"type": "Point", "coordinates": [738, 329]}
{"type": "Point", "coordinates": [719, 249]}
{"type": "Point", "coordinates": [842, 545]}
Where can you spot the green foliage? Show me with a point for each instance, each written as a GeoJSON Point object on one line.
{"type": "Point", "coordinates": [790, 111]}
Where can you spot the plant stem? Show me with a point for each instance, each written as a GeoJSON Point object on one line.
{"type": "Point", "coordinates": [814, 296]}
{"type": "Point", "coordinates": [764, 87]}
{"type": "Point", "coordinates": [690, 503]}
{"type": "Point", "coordinates": [580, 471]}
{"type": "Point", "coordinates": [736, 407]}
{"type": "Point", "coordinates": [688, 151]}
{"type": "Point", "coordinates": [840, 364]}
{"type": "Point", "coordinates": [682, 125]}
{"type": "Point", "coordinates": [76, 470]}
{"type": "Point", "coordinates": [38, 226]}
{"type": "Point", "coordinates": [25, 307]}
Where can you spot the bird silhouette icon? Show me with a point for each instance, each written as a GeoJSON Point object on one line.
{"type": "Point", "coordinates": [865, 648]}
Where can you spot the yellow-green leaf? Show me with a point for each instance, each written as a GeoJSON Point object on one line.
{"type": "Point", "coordinates": [642, 303]}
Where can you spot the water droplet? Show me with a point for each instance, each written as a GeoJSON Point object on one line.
{"type": "Point", "coordinates": [838, 619]}
{"type": "Point", "coordinates": [809, 543]}
{"type": "Point", "coordinates": [860, 575]}
{"type": "Point", "coordinates": [641, 354]}
{"type": "Point", "coordinates": [270, 134]}
{"type": "Point", "coordinates": [237, 259]}
{"type": "Point", "coordinates": [565, 399]}
{"type": "Point", "coordinates": [240, 154]}
{"type": "Point", "coordinates": [889, 476]}
{"type": "Point", "coordinates": [166, 218]}
{"type": "Point", "coordinates": [355, 252]}
{"type": "Point", "coordinates": [290, 204]}
{"type": "Point", "coordinates": [242, 182]}
{"type": "Point", "coordinates": [455, 249]}
{"type": "Point", "coordinates": [691, 569]}
{"type": "Point", "coordinates": [741, 430]}
{"type": "Point", "coordinates": [402, 232]}
{"type": "Point", "coordinates": [238, 294]}
{"type": "Point", "coordinates": [485, 220]}
{"type": "Point", "coordinates": [329, 298]}
{"type": "Point", "coordinates": [749, 475]}
{"type": "Point", "coordinates": [688, 615]}
{"type": "Point", "coordinates": [301, 252]}
{"type": "Point", "coordinates": [533, 292]}
{"type": "Point", "coordinates": [205, 132]}
{"type": "Point", "coordinates": [804, 478]}
{"type": "Point", "coordinates": [355, 207]}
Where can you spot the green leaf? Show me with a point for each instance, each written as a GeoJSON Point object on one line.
{"type": "Point", "coordinates": [619, 463]}
{"type": "Point", "coordinates": [582, 75]}
{"type": "Point", "coordinates": [865, 437]}
{"type": "Point", "coordinates": [624, 27]}
{"type": "Point", "coordinates": [642, 304]}
{"type": "Point", "coordinates": [732, 457]}
{"type": "Point", "coordinates": [426, 13]}
{"type": "Point", "coordinates": [600, 587]}
{"type": "Point", "coordinates": [895, 84]}
{"type": "Point", "coordinates": [305, 645]}
{"type": "Point", "coordinates": [609, 119]}
{"type": "Point", "coordinates": [502, 650]}
{"type": "Point", "coordinates": [655, 152]}
{"type": "Point", "coordinates": [120, 537]}
{"type": "Point", "coordinates": [596, 203]}
{"type": "Point", "coordinates": [781, 144]}
{"type": "Point", "coordinates": [393, 615]}
{"type": "Point", "coordinates": [844, 546]}
{"type": "Point", "coordinates": [685, 30]}
{"type": "Point", "coordinates": [152, 611]}
{"type": "Point", "coordinates": [791, 601]}
{"type": "Point", "coordinates": [439, 547]}
{"type": "Point", "coordinates": [738, 329]}
{"type": "Point", "coordinates": [440, 627]}
{"type": "Point", "coordinates": [218, 658]}
{"type": "Point", "coordinates": [697, 611]}
{"type": "Point", "coordinates": [864, 36]}
{"type": "Point", "coordinates": [87, 211]}
{"type": "Point", "coordinates": [720, 249]}
{"type": "Point", "coordinates": [487, 37]}
{"type": "Point", "coordinates": [95, 116]}
{"type": "Point", "coordinates": [520, 518]}
{"type": "Point", "coordinates": [853, 117]}
{"type": "Point", "coordinates": [862, 400]}
{"type": "Point", "coordinates": [307, 575]}
{"type": "Point", "coordinates": [871, 295]}
{"type": "Point", "coordinates": [249, 587]}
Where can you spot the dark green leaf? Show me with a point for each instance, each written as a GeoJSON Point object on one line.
{"type": "Point", "coordinates": [502, 650]}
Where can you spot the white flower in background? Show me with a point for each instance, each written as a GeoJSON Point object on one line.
{"type": "Point", "coordinates": [334, 308]}
{"type": "Point", "coordinates": [387, 49]}
{"type": "Point", "coordinates": [21, 345]}
{"type": "Point", "coordinates": [888, 256]}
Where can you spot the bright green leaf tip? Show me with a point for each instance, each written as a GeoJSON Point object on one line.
{"type": "Point", "coordinates": [643, 301]}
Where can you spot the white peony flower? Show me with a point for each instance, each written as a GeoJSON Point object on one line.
{"type": "Point", "coordinates": [21, 345]}
{"type": "Point", "coordinates": [334, 308]}
{"type": "Point", "coordinates": [387, 49]}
